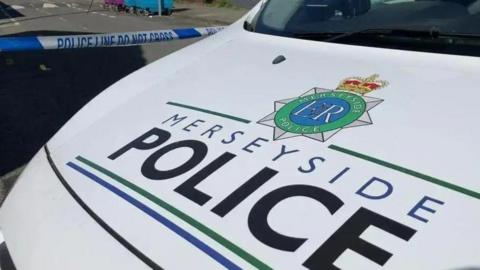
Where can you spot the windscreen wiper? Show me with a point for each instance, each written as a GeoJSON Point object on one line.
{"type": "Point", "coordinates": [432, 33]}
{"type": "Point", "coordinates": [389, 32]}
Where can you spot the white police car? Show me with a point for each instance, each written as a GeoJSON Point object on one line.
{"type": "Point", "coordinates": [311, 134]}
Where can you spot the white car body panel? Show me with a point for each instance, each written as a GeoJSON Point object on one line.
{"type": "Point", "coordinates": [426, 123]}
{"type": "Point", "coordinates": [49, 230]}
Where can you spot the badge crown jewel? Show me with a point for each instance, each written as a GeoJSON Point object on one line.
{"type": "Point", "coordinates": [361, 85]}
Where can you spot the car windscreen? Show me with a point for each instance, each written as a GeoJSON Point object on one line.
{"type": "Point", "coordinates": [449, 26]}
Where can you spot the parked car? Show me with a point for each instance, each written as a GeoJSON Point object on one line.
{"type": "Point", "coordinates": [326, 134]}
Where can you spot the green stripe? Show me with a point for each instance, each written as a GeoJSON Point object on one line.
{"type": "Point", "coordinates": [199, 226]}
{"type": "Point", "coordinates": [231, 117]}
{"type": "Point", "coordinates": [422, 176]}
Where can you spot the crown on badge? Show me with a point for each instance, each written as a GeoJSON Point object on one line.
{"type": "Point", "coordinates": [361, 85]}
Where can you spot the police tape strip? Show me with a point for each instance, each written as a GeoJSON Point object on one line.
{"type": "Point", "coordinates": [9, 44]}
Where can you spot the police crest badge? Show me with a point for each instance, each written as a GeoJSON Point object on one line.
{"type": "Point", "coordinates": [321, 113]}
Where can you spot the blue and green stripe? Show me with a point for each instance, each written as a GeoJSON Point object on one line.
{"type": "Point", "coordinates": [235, 249]}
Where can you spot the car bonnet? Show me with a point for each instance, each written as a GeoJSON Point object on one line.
{"type": "Point", "coordinates": [339, 155]}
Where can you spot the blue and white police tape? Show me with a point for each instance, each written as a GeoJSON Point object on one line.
{"type": "Point", "coordinates": [9, 44]}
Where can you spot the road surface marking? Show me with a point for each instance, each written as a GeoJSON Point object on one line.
{"type": "Point", "coordinates": [206, 15]}
{"type": "Point", "coordinates": [62, 19]}
{"type": "Point", "coordinates": [111, 16]}
{"type": "Point", "coordinates": [49, 5]}
{"type": "Point", "coordinates": [9, 25]}
{"type": "Point", "coordinates": [16, 7]}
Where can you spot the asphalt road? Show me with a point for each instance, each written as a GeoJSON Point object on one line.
{"type": "Point", "coordinates": [40, 91]}
{"type": "Point", "coordinates": [245, 3]}
{"type": "Point", "coordinates": [31, 15]}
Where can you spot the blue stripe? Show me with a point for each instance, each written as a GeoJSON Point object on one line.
{"type": "Point", "coordinates": [19, 44]}
{"type": "Point", "coordinates": [167, 223]}
{"type": "Point", "coordinates": [187, 33]}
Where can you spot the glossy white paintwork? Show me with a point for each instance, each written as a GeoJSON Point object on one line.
{"type": "Point", "coordinates": [427, 123]}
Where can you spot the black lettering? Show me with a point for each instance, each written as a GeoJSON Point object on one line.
{"type": "Point", "coordinates": [193, 124]}
{"type": "Point", "coordinates": [311, 164]}
{"type": "Point", "coordinates": [212, 130]}
{"type": "Point", "coordinates": [141, 144]}
{"type": "Point", "coordinates": [187, 188]}
{"type": "Point", "coordinates": [239, 195]}
{"type": "Point", "coordinates": [283, 152]}
{"type": "Point", "coordinates": [199, 152]}
{"type": "Point", "coordinates": [348, 237]}
{"type": "Point", "coordinates": [254, 143]}
{"type": "Point", "coordinates": [257, 219]}
{"type": "Point", "coordinates": [336, 177]}
{"type": "Point", "coordinates": [176, 119]}
{"type": "Point", "coordinates": [233, 137]}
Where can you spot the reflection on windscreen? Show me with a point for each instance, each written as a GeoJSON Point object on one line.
{"type": "Point", "coordinates": [294, 16]}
